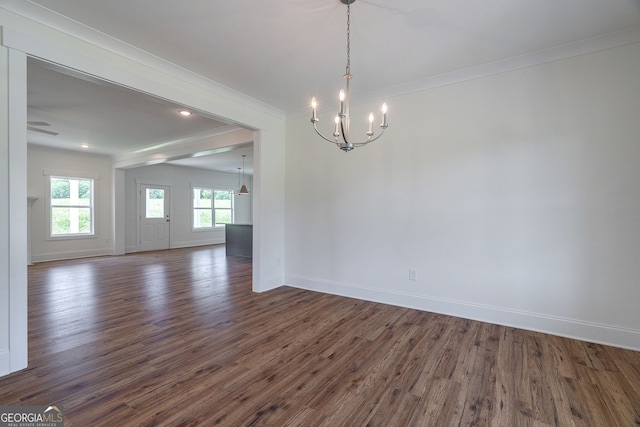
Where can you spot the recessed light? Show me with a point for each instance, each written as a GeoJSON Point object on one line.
{"type": "Point", "coordinates": [185, 112]}
{"type": "Point", "coordinates": [84, 145]}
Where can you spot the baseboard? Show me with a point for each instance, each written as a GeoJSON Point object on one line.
{"type": "Point", "coordinates": [565, 327]}
{"type": "Point", "coordinates": [59, 256]}
{"type": "Point", "coordinates": [268, 284]}
{"type": "Point", "coordinates": [185, 244]}
{"type": "Point", "coordinates": [193, 243]}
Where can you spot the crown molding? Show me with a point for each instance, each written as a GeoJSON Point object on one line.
{"type": "Point", "coordinates": [557, 53]}
{"type": "Point", "coordinates": [54, 20]}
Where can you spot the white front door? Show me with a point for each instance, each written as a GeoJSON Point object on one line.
{"type": "Point", "coordinates": [155, 221]}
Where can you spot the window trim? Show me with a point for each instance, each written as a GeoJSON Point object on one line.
{"type": "Point", "coordinates": [212, 208]}
{"type": "Point", "coordinates": [49, 205]}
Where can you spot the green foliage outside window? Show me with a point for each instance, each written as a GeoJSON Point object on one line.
{"type": "Point", "coordinates": [222, 195]}
{"type": "Point", "coordinates": [61, 220]}
{"type": "Point", "coordinates": [61, 188]}
{"type": "Point", "coordinates": [205, 194]}
{"type": "Point", "coordinates": [156, 193]}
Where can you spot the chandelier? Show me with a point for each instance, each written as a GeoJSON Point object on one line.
{"type": "Point", "coordinates": [341, 130]}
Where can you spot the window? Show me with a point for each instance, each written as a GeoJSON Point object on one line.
{"type": "Point", "coordinates": [211, 208]}
{"type": "Point", "coordinates": [71, 206]}
{"type": "Point", "coordinates": [154, 199]}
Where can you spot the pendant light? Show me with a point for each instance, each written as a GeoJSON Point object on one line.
{"type": "Point", "coordinates": [243, 189]}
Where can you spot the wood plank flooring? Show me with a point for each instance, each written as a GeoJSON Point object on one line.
{"type": "Point", "coordinates": [177, 338]}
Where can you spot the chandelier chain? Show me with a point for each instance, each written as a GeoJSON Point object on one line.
{"type": "Point", "coordinates": [348, 70]}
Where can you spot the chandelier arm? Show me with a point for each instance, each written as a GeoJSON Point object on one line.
{"type": "Point", "coordinates": [333, 141]}
{"type": "Point", "coordinates": [360, 144]}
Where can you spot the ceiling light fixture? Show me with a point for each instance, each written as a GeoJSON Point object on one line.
{"type": "Point", "coordinates": [243, 189]}
{"type": "Point", "coordinates": [185, 112]}
{"type": "Point", "coordinates": [341, 131]}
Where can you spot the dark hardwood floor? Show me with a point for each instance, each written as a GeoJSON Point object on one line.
{"type": "Point", "coordinates": [177, 338]}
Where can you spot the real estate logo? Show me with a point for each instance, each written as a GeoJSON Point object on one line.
{"type": "Point", "coordinates": [31, 416]}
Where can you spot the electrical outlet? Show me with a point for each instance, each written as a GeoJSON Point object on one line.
{"type": "Point", "coordinates": [413, 274]}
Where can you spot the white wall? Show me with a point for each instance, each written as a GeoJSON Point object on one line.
{"type": "Point", "coordinates": [514, 196]}
{"type": "Point", "coordinates": [43, 160]}
{"type": "Point", "coordinates": [181, 180]}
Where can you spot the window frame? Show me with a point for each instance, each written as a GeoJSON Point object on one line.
{"type": "Point", "coordinates": [51, 206]}
{"type": "Point", "coordinates": [213, 208]}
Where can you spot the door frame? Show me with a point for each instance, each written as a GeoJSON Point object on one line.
{"type": "Point", "coordinates": [24, 35]}
{"type": "Point", "coordinates": [139, 198]}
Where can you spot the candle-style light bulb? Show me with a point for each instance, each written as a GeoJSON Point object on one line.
{"type": "Point", "coordinates": [336, 132]}
{"type": "Point", "coordinates": [341, 96]}
{"type": "Point", "coordinates": [314, 105]}
{"type": "Point", "coordinates": [384, 115]}
{"type": "Point", "coordinates": [370, 131]}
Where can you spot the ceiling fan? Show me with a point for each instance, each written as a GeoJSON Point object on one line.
{"type": "Point", "coordinates": [34, 127]}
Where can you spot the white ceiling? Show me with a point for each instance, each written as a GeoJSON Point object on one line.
{"type": "Point", "coordinates": [117, 121]}
{"type": "Point", "coordinates": [283, 52]}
